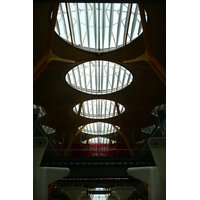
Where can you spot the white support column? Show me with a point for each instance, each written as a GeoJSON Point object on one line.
{"type": "Point", "coordinates": [155, 177]}
{"type": "Point", "coordinates": [44, 177]}
{"type": "Point", "coordinates": [39, 147]}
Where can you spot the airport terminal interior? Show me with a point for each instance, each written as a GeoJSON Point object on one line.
{"type": "Point", "coordinates": [99, 94]}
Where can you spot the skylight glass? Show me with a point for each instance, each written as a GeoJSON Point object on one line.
{"type": "Point", "coordinates": [149, 129]}
{"type": "Point", "coordinates": [99, 140]}
{"type": "Point", "coordinates": [99, 128]}
{"type": "Point", "coordinates": [98, 109]}
{"type": "Point", "coordinates": [98, 27]}
{"type": "Point", "coordinates": [48, 130]}
{"type": "Point", "coordinates": [99, 196]}
{"type": "Point", "coordinates": [99, 77]}
{"type": "Point", "coordinates": [42, 111]}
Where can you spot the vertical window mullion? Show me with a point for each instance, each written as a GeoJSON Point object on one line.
{"type": "Point", "coordinates": [74, 78]}
{"type": "Point", "coordinates": [111, 23]}
{"type": "Point", "coordinates": [63, 20]}
{"type": "Point", "coordinates": [90, 76]}
{"type": "Point", "coordinates": [118, 78]}
{"type": "Point", "coordinates": [101, 106]}
{"type": "Point", "coordinates": [119, 24]}
{"type": "Point", "coordinates": [126, 23]}
{"type": "Point", "coordinates": [102, 77]}
{"type": "Point", "coordinates": [94, 22]}
{"type": "Point", "coordinates": [103, 25]}
{"type": "Point", "coordinates": [105, 107]}
{"type": "Point", "coordinates": [96, 108]}
{"type": "Point", "coordinates": [134, 21]}
{"type": "Point", "coordinates": [92, 109]}
{"type": "Point", "coordinates": [79, 24]}
{"type": "Point", "coordinates": [113, 78]}
{"type": "Point", "coordinates": [98, 26]}
{"type": "Point", "coordinates": [84, 75]}
{"type": "Point", "coordinates": [96, 79]}
{"type": "Point", "coordinates": [71, 23]}
{"type": "Point", "coordinates": [107, 80]}
{"type": "Point", "coordinates": [79, 76]}
{"type": "Point", "coordinates": [87, 25]}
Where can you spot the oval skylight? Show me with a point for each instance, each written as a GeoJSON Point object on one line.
{"type": "Point", "coordinates": [48, 130]}
{"type": "Point", "coordinates": [99, 140]}
{"type": "Point", "coordinates": [98, 27]}
{"type": "Point", "coordinates": [98, 109]}
{"type": "Point", "coordinates": [99, 77]}
{"type": "Point", "coordinates": [99, 128]}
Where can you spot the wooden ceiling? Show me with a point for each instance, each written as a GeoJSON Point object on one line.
{"type": "Point", "coordinates": [51, 91]}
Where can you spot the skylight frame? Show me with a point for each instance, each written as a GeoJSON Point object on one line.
{"type": "Point", "coordinates": [100, 140]}
{"type": "Point", "coordinates": [42, 111]}
{"type": "Point", "coordinates": [107, 109]}
{"type": "Point", "coordinates": [48, 130]}
{"type": "Point", "coordinates": [99, 129]}
{"type": "Point", "coordinates": [102, 15]}
{"type": "Point", "coordinates": [88, 74]}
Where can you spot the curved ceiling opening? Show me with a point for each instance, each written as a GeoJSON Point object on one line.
{"type": "Point", "coordinates": [99, 128]}
{"type": "Point", "coordinates": [99, 77]}
{"type": "Point", "coordinates": [98, 27]}
{"type": "Point", "coordinates": [98, 109]}
{"type": "Point", "coordinates": [48, 130]}
{"type": "Point", "coordinates": [99, 140]}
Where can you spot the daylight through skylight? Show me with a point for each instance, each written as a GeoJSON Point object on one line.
{"type": "Point", "coordinates": [98, 27]}
{"type": "Point", "coordinates": [48, 130]}
{"type": "Point", "coordinates": [98, 109]}
{"type": "Point", "coordinates": [42, 112]}
{"type": "Point", "coordinates": [99, 128]}
{"type": "Point", "coordinates": [99, 77]}
{"type": "Point", "coordinates": [99, 140]}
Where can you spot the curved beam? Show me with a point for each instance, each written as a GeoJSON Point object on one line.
{"type": "Point", "coordinates": [72, 140]}
{"type": "Point", "coordinates": [121, 132]}
{"type": "Point", "coordinates": [49, 40]}
{"type": "Point", "coordinates": [51, 57]}
{"type": "Point", "coordinates": [48, 56]}
{"type": "Point", "coordinates": [148, 56]}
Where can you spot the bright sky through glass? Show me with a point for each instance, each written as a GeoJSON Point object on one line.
{"type": "Point", "coordinates": [98, 27]}
{"type": "Point", "coordinates": [99, 77]}
{"type": "Point", "coordinates": [99, 140]}
{"type": "Point", "coordinates": [42, 112]}
{"type": "Point", "coordinates": [48, 130]}
{"type": "Point", "coordinates": [99, 128]}
{"type": "Point", "coordinates": [98, 109]}
{"type": "Point", "coordinates": [99, 196]}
